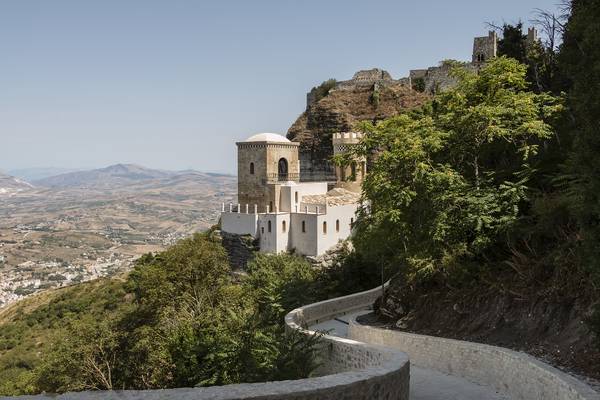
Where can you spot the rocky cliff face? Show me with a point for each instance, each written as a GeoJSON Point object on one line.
{"type": "Point", "coordinates": [339, 111]}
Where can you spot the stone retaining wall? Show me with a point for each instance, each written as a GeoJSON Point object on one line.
{"type": "Point", "coordinates": [358, 371]}
{"type": "Point", "coordinates": [518, 375]}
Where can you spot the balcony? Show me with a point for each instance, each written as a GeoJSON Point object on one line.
{"type": "Point", "coordinates": [275, 177]}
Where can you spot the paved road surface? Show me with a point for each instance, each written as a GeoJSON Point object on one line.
{"type": "Point", "coordinates": [425, 384]}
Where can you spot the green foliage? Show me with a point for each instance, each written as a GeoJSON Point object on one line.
{"type": "Point", "coordinates": [513, 42]}
{"type": "Point", "coordinates": [178, 320]}
{"type": "Point", "coordinates": [375, 97]}
{"type": "Point", "coordinates": [84, 357]}
{"type": "Point", "coordinates": [542, 68]}
{"type": "Point", "coordinates": [451, 179]}
{"type": "Point", "coordinates": [323, 89]}
{"type": "Point", "coordinates": [580, 60]}
{"type": "Point", "coordinates": [33, 337]}
{"type": "Point", "coordinates": [418, 84]}
{"type": "Point", "coordinates": [281, 283]}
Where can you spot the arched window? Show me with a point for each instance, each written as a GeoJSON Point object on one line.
{"type": "Point", "coordinates": [296, 196]}
{"type": "Point", "coordinates": [363, 169]}
{"type": "Point", "coordinates": [282, 169]}
{"type": "Point", "coordinates": [351, 222]}
{"type": "Point", "coordinates": [337, 225]}
{"type": "Point", "coordinates": [251, 168]}
{"type": "Point", "coordinates": [270, 206]}
{"type": "Point", "coordinates": [269, 226]}
{"type": "Point", "coordinates": [303, 226]}
{"type": "Point", "coordinates": [353, 170]}
{"type": "Point", "coordinates": [324, 227]}
{"type": "Point", "coordinates": [262, 230]}
{"type": "Point", "coordinates": [283, 226]}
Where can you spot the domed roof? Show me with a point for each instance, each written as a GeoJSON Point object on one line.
{"type": "Point", "coordinates": [268, 137]}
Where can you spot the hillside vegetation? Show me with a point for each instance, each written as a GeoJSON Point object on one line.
{"type": "Point", "coordinates": [180, 318]}
{"type": "Point", "coordinates": [484, 202]}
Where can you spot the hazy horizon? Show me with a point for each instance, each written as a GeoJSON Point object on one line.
{"type": "Point", "coordinates": [15, 171]}
{"type": "Point", "coordinates": [172, 85]}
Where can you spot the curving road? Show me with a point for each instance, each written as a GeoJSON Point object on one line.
{"type": "Point", "coordinates": [425, 384]}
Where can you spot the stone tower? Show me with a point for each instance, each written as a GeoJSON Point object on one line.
{"type": "Point", "coordinates": [532, 36]}
{"type": "Point", "coordinates": [351, 176]}
{"type": "Point", "coordinates": [265, 161]}
{"type": "Point", "coordinates": [485, 48]}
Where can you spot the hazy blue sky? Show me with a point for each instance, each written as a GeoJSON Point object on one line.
{"type": "Point", "coordinates": [173, 84]}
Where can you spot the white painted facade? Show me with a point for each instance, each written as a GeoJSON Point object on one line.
{"type": "Point", "coordinates": [307, 218]}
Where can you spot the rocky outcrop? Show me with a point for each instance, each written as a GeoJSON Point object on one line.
{"type": "Point", "coordinates": [240, 248]}
{"type": "Point", "coordinates": [332, 257]}
{"type": "Point", "coordinates": [346, 104]}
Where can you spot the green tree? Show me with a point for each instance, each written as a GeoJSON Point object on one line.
{"type": "Point", "coordinates": [323, 89]}
{"type": "Point", "coordinates": [449, 180]}
{"type": "Point", "coordinates": [84, 357]}
{"type": "Point", "coordinates": [513, 42]}
{"type": "Point", "coordinates": [540, 57]}
{"type": "Point", "coordinates": [189, 323]}
{"type": "Point", "coordinates": [580, 61]}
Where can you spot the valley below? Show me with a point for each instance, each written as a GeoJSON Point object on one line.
{"type": "Point", "coordinates": [78, 227]}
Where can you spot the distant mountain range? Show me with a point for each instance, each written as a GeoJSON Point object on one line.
{"type": "Point", "coordinates": [33, 174]}
{"type": "Point", "coordinates": [11, 185]}
{"type": "Point", "coordinates": [115, 176]}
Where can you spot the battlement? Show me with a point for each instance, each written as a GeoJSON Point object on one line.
{"type": "Point", "coordinates": [346, 137]}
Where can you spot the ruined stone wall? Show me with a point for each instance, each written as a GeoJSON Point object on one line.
{"type": "Point", "coordinates": [366, 78]}
{"type": "Point", "coordinates": [437, 79]}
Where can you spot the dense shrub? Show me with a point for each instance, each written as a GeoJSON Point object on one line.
{"type": "Point", "coordinates": [178, 320]}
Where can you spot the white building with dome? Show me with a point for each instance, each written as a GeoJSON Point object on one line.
{"type": "Point", "coordinates": [285, 213]}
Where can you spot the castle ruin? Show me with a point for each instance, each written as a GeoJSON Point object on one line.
{"type": "Point", "coordinates": [430, 80]}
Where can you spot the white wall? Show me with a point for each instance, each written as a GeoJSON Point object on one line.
{"type": "Point", "coordinates": [287, 200]}
{"type": "Point", "coordinates": [344, 214]}
{"type": "Point", "coordinates": [304, 242]}
{"type": "Point", "coordinates": [314, 242]}
{"type": "Point", "coordinates": [275, 241]}
{"type": "Point", "coordinates": [239, 223]}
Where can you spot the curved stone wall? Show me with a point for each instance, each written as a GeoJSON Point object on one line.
{"type": "Point", "coordinates": [356, 370]}
{"type": "Point", "coordinates": [518, 375]}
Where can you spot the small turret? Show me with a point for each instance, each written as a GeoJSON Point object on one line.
{"type": "Point", "coordinates": [351, 176]}
{"type": "Point", "coordinates": [532, 36]}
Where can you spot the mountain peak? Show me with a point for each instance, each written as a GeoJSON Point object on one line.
{"type": "Point", "coordinates": [113, 175]}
